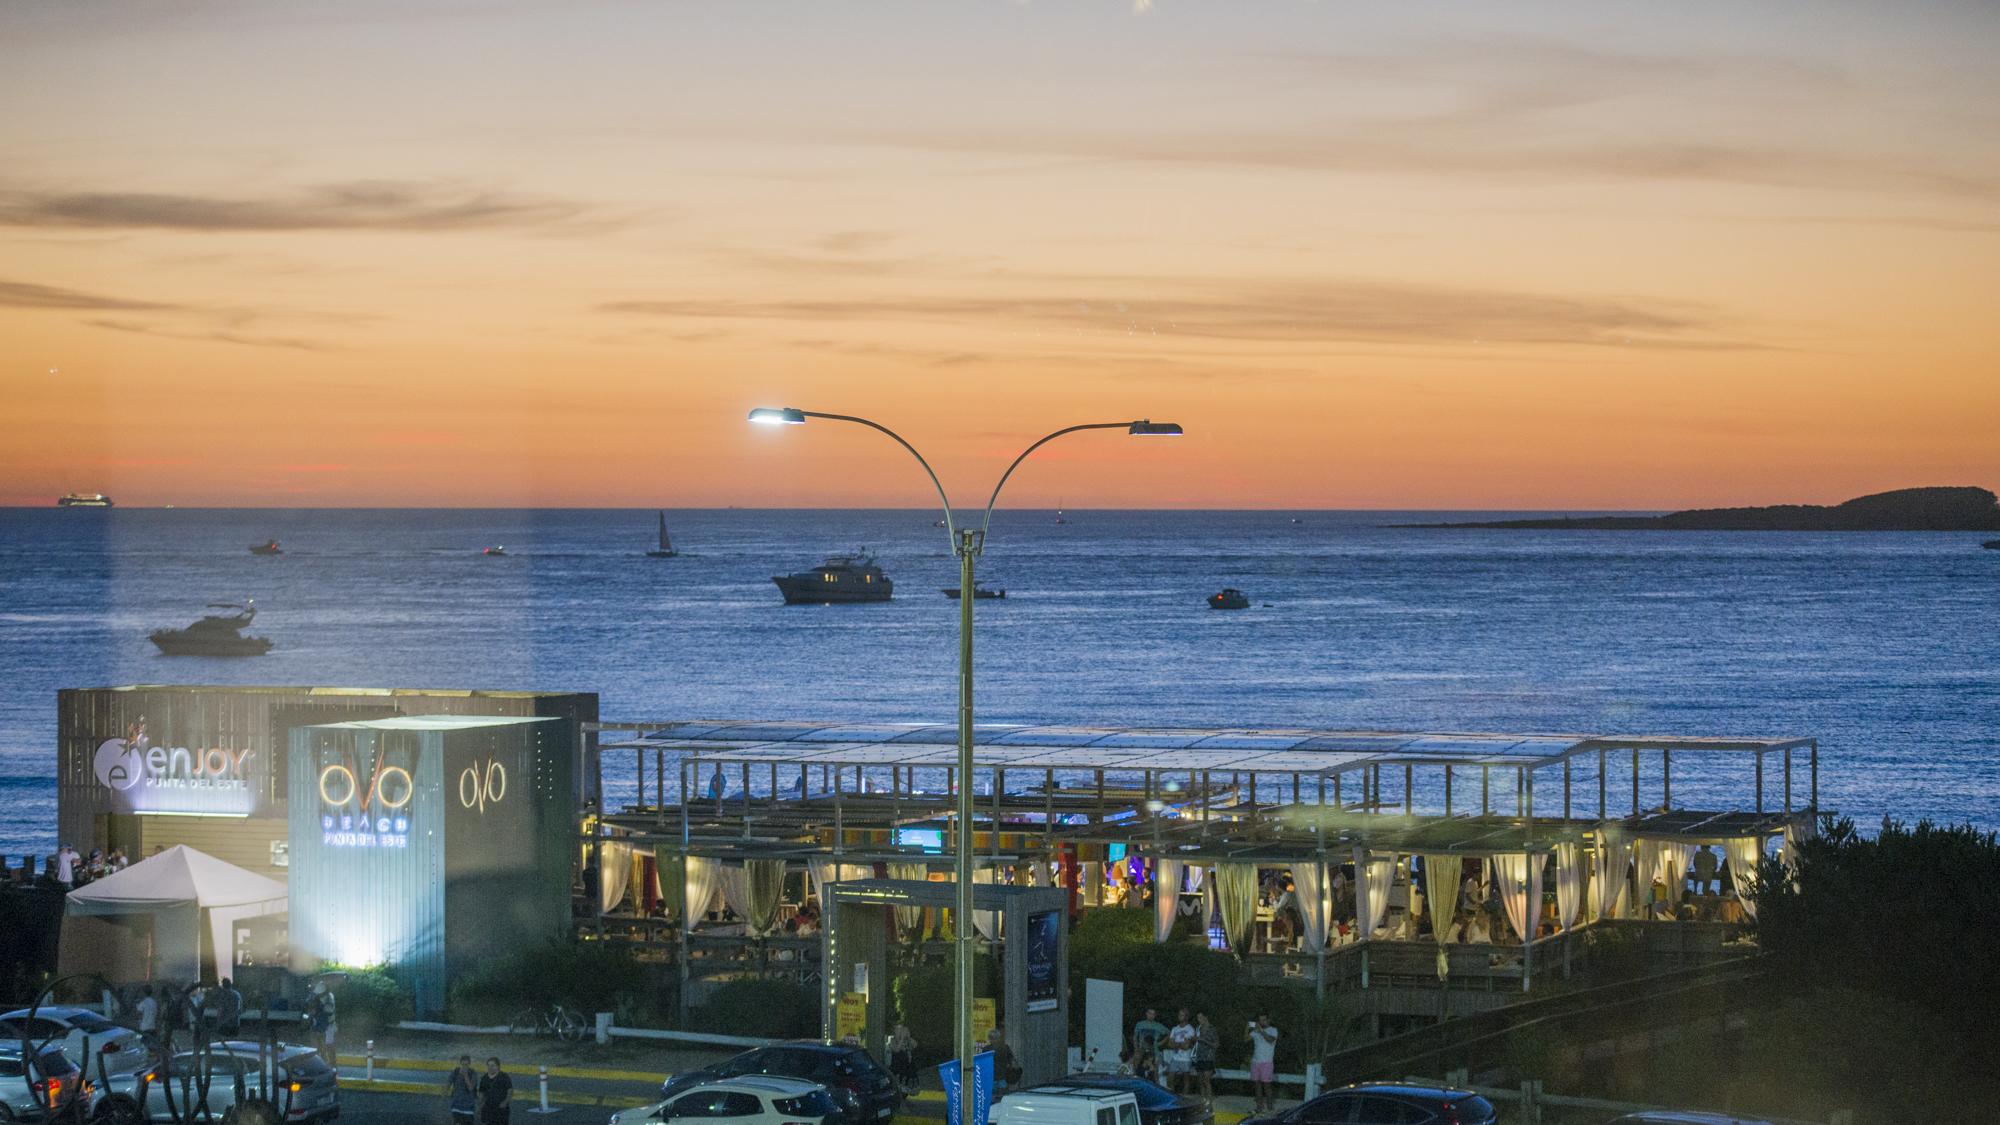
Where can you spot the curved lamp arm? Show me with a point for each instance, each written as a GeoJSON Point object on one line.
{"type": "Point", "coordinates": [950, 527]}
{"type": "Point", "coordinates": [991, 500]}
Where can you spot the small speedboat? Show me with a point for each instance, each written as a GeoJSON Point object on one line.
{"type": "Point", "coordinates": [978, 592]}
{"type": "Point", "coordinates": [267, 547]}
{"type": "Point", "coordinates": [1991, 544]}
{"type": "Point", "coordinates": [495, 551]}
{"type": "Point", "coordinates": [1229, 598]}
{"type": "Point", "coordinates": [218, 634]}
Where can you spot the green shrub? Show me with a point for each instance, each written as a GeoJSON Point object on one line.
{"type": "Point", "coordinates": [925, 997]}
{"type": "Point", "coordinates": [589, 977]}
{"type": "Point", "coordinates": [370, 1000]}
{"type": "Point", "coordinates": [772, 1009]}
{"type": "Point", "coordinates": [1118, 945]}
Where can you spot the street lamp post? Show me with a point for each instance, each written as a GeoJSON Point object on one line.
{"type": "Point", "coordinates": [968, 545]}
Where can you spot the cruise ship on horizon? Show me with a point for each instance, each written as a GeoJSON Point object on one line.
{"type": "Point", "coordinates": [84, 500]}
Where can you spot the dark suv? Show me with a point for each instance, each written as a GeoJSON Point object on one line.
{"type": "Point", "coordinates": [863, 1090]}
{"type": "Point", "coordinates": [1385, 1103]}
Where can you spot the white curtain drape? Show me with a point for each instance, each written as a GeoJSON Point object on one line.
{"type": "Point", "coordinates": [909, 919]}
{"type": "Point", "coordinates": [1520, 880]}
{"type": "Point", "coordinates": [1441, 880]}
{"type": "Point", "coordinates": [704, 882]}
{"type": "Point", "coordinates": [1569, 884]}
{"type": "Point", "coordinates": [1788, 849]}
{"type": "Point", "coordinates": [1166, 896]}
{"type": "Point", "coordinates": [1745, 855]}
{"type": "Point", "coordinates": [614, 878]}
{"type": "Point", "coordinates": [1236, 891]}
{"type": "Point", "coordinates": [1375, 874]}
{"type": "Point", "coordinates": [1611, 889]}
{"type": "Point", "coordinates": [752, 890]}
{"type": "Point", "coordinates": [1195, 874]}
{"type": "Point", "coordinates": [986, 922]}
{"type": "Point", "coordinates": [826, 870]}
{"type": "Point", "coordinates": [1309, 883]}
{"type": "Point", "coordinates": [1665, 862]}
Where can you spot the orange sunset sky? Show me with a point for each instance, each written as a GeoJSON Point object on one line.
{"type": "Point", "coordinates": [446, 252]}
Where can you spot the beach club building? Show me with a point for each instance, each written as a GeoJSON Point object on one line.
{"type": "Point", "coordinates": [382, 812]}
{"type": "Point", "coordinates": [1429, 874]}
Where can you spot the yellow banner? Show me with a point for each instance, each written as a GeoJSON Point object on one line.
{"type": "Point", "coordinates": [851, 1018]}
{"type": "Point", "coordinates": [983, 1018]}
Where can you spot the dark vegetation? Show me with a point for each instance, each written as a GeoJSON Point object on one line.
{"type": "Point", "coordinates": [1958, 508]}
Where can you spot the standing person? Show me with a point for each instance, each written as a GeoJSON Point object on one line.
{"type": "Point", "coordinates": [1263, 1060]}
{"type": "Point", "coordinates": [66, 866]}
{"type": "Point", "coordinates": [903, 1058]}
{"type": "Point", "coordinates": [1706, 866]}
{"type": "Point", "coordinates": [1178, 1059]}
{"type": "Point", "coordinates": [1006, 1071]}
{"type": "Point", "coordinates": [462, 1092]}
{"type": "Point", "coordinates": [496, 1094]}
{"type": "Point", "coordinates": [324, 1015]}
{"type": "Point", "coordinates": [1147, 1034]}
{"type": "Point", "coordinates": [228, 1005]}
{"type": "Point", "coordinates": [149, 1016]}
{"type": "Point", "coordinates": [1207, 1045]}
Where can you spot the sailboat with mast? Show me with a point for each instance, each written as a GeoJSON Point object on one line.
{"type": "Point", "coordinates": [666, 548]}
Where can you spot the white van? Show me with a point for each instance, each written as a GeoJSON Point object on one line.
{"type": "Point", "coordinates": [1057, 1104]}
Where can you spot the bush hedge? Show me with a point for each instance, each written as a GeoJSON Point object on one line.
{"type": "Point", "coordinates": [772, 1009]}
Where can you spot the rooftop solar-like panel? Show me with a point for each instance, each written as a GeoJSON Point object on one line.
{"type": "Point", "coordinates": [1050, 736]}
{"type": "Point", "coordinates": [855, 732]}
{"type": "Point", "coordinates": [1148, 739]}
{"type": "Point", "coordinates": [1234, 741]}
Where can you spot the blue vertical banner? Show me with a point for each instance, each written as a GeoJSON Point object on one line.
{"type": "Point", "coordinates": [982, 1088]}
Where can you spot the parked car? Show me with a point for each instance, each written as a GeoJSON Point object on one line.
{"type": "Point", "coordinates": [50, 1078]}
{"type": "Point", "coordinates": [1157, 1104]}
{"type": "Point", "coordinates": [1387, 1103]}
{"type": "Point", "coordinates": [860, 1086]}
{"type": "Point", "coordinates": [750, 1099]}
{"type": "Point", "coordinates": [1685, 1117]}
{"type": "Point", "coordinates": [85, 1036]}
{"type": "Point", "coordinates": [307, 1089]}
{"type": "Point", "coordinates": [1062, 1103]}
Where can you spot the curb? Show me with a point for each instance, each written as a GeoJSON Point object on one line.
{"type": "Point", "coordinates": [385, 1086]}
{"type": "Point", "coordinates": [443, 1066]}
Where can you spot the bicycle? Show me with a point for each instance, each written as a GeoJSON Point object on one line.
{"type": "Point", "coordinates": [556, 1020]}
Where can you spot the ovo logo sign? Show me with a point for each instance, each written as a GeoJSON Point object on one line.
{"type": "Point", "coordinates": [389, 788]}
{"type": "Point", "coordinates": [481, 785]}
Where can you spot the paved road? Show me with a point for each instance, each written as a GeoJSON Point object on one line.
{"type": "Point", "coordinates": [369, 1107]}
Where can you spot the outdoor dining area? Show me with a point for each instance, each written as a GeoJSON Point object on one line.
{"type": "Point", "coordinates": [1450, 862]}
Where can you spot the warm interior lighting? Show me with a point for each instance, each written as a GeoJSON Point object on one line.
{"type": "Point", "coordinates": [780, 416]}
{"type": "Point", "coordinates": [1146, 427]}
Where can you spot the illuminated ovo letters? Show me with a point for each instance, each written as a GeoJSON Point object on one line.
{"type": "Point", "coordinates": [393, 787]}
{"type": "Point", "coordinates": [479, 786]}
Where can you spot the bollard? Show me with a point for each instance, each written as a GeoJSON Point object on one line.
{"type": "Point", "coordinates": [371, 1060]}
{"type": "Point", "coordinates": [543, 1080]}
{"type": "Point", "coordinates": [1315, 1080]}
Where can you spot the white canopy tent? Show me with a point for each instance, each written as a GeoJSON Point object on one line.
{"type": "Point", "coordinates": [178, 889]}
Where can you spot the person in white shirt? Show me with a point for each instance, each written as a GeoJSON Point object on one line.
{"type": "Point", "coordinates": [66, 858]}
{"type": "Point", "coordinates": [149, 1015]}
{"type": "Point", "coordinates": [1177, 1061]}
{"type": "Point", "coordinates": [1263, 1061]}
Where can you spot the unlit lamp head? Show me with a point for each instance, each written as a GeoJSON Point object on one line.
{"type": "Point", "coordinates": [1146, 427]}
{"type": "Point", "coordinates": [783, 416]}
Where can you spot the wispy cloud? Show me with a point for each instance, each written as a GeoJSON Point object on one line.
{"type": "Point", "coordinates": [28, 295]}
{"type": "Point", "coordinates": [364, 205]}
{"type": "Point", "coordinates": [1303, 312]}
{"type": "Point", "coordinates": [214, 336]}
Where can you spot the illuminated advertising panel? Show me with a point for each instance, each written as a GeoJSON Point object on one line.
{"type": "Point", "coordinates": [147, 773]}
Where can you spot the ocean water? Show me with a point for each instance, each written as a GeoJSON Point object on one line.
{"type": "Point", "coordinates": [1882, 646]}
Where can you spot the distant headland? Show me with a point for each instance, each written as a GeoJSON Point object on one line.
{"type": "Point", "coordinates": [1960, 508]}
